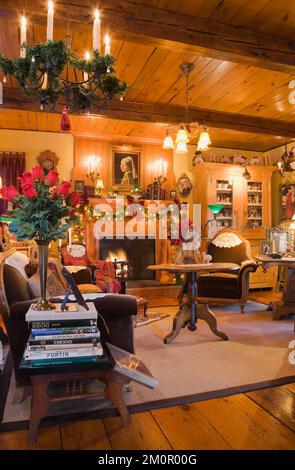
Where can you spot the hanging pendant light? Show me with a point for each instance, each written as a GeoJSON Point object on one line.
{"type": "Point", "coordinates": [187, 130]}
{"type": "Point", "coordinates": [181, 147]}
{"type": "Point", "coordinates": [182, 136]}
{"type": "Point", "coordinates": [168, 143]}
{"type": "Point", "coordinates": [204, 140]}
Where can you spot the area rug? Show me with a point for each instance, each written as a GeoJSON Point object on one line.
{"type": "Point", "coordinates": [195, 366]}
{"type": "Point", "coordinates": [142, 320]}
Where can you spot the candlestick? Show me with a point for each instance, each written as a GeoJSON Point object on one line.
{"type": "Point", "coordinates": [107, 41]}
{"type": "Point", "coordinates": [165, 167]}
{"type": "Point", "coordinates": [96, 31]}
{"type": "Point", "coordinates": [50, 21]}
{"type": "Point", "coordinates": [70, 237]}
{"type": "Point", "coordinates": [23, 36]}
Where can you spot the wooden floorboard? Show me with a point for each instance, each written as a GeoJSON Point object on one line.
{"type": "Point", "coordinates": [269, 399]}
{"type": "Point", "coordinates": [186, 428]}
{"type": "Point", "coordinates": [85, 435]}
{"type": "Point", "coordinates": [143, 433]}
{"type": "Point", "coordinates": [245, 425]}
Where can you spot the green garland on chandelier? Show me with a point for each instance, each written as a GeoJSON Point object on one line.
{"type": "Point", "coordinates": [50, 72]}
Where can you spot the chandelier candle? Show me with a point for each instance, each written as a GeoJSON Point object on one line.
{"type": "Point", "coordinates": [23, 36]}
{"type": "Point", "coordinates": [50, 21]}
{"type": "Point", "coordinates": [96, 31]}
{"type": "Point", "coordinates": [87, 58]}
{"type": "Point", "coordinates": [107, 42]}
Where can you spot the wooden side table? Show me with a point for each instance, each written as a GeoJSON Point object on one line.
{"type": "Point", "coordinates": [41, 400]}
{"type": "Point", "coordinates": [191, 311]}
{"type": "Point", "coordinates": [286, 306]}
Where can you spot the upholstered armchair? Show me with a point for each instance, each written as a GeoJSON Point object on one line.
{"type": "Point", "coordinates": [104, 276]}
{"type": "Point", "coordinates": [227, 246]}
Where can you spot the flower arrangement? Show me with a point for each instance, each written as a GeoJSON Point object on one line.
{"type": "Point", "coordinates": [186, 239]}
{"type": "Point", "coordinates": [43, 209]}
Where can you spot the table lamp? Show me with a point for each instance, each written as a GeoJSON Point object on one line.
{"type": "Point", "coordinates": [99, 186]}
{"type": "Point", "coordinates": [215, 209]}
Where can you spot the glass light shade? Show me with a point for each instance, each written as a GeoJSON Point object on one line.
{"type": "Point", "coordinates": [99, 184]}
{"type": "Point", "coordinates": [182, 137]}
{"type": "Point", "coordinates": [215, 208]}
{"type": "Point", "coordinates": [168, 143]}
{"type": "Point", "coordinates": [204, 141]}
{"type": "Point", "coordinates": [181, 147]}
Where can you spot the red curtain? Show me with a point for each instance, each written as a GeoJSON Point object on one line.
{"type": "Point", "coordinates": [12, 165]}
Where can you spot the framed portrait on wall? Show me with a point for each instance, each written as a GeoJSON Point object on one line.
{"type": "Point", "coordinates": [126, 167]}
{"type": "Point", "coordinates": [287, 202]}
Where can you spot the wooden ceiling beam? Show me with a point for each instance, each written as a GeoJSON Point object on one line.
{"type": "Point", "coordinates": [151, 25]}
{"type": "Point", "coordinates": [155, 113]}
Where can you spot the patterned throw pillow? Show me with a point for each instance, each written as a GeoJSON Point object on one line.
{"type": "Point", "coordinates": [54, 285]}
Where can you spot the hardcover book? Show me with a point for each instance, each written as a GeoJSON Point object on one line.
{"type": "Point", "coordinates": [132, 366]}
{"type": "Point", "coordinates": [63, 353]}
{"type": "Point", "coordinates": [79, 314]}
{"type": "Point", "coordinates": [49, 332]}
{"type": "Point", "coordinates": [61, 323]}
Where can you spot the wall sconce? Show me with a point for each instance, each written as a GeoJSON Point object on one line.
{"type": "Point", "coordinates": [161, 171]}
{"type": "Point", "coordinates": [92, 172]}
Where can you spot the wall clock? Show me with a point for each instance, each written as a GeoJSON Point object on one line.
{"type": "Point", "coordinates": [48, 160]}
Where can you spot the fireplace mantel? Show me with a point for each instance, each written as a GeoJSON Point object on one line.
{"type": "Point", "coordinates": [163, 250]}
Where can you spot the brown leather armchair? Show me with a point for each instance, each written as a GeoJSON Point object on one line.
{"type": "Point", "coordinates": [227, 246]}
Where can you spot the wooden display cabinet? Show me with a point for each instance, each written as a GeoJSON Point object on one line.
{"type": "Point", "coordinates": [247, 205]}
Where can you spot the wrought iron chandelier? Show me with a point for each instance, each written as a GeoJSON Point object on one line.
{"type": "Point", "coordinates": [52, 73]}
{"type": "Point", "coordinates": [187, 130]}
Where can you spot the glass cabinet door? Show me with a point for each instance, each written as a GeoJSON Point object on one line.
{"type": "Point", "coordinates": [224, 196]}
{"type": "Point", "coordinates": [255, 204]}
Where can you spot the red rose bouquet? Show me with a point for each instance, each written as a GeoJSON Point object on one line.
{"type": "Point", "coordinates": [43, 210]}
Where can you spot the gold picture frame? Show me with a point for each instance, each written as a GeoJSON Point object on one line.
{"type": "Point", "coordinates": [126, 168]}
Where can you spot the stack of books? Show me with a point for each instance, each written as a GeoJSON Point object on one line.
{"type": "Point", "coordinates": [67, 337]}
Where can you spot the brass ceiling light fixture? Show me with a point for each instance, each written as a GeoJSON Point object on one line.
{"type": "Point", "coordinates": [186, 130]}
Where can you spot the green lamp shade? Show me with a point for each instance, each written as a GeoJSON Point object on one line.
{"type": "Point", "coordinates": [5, 219]}
{"type": "Point", "coordinates": [215, 208]}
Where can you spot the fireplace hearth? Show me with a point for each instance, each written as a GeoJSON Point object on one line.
{"type": "Point", "coordinates": [138, 252]}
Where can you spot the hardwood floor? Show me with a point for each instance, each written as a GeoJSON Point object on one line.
{"type": "Point", "coordinates": [258, 420]}
{"type": "Point", "coordinates": [263, 419]}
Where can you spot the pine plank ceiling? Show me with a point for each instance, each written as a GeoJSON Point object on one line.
{"type": "Point", "coordinates": [153, 74]}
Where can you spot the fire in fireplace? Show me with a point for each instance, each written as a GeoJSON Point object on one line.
{"type": "Point", "coordinates": [138, 252]}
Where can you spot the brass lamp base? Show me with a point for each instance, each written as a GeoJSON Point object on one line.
{"type": "Point", "coordinates": [42, 305]}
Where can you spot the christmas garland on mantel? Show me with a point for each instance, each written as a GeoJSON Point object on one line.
{"type": "Point", "coordinates": [47, 71]}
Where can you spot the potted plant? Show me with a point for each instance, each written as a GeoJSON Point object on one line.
{"type": "Point", "coordinates": [43, 211]}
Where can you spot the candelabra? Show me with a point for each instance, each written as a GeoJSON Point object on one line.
{"type": "Point", "coordinates": [96, 181]}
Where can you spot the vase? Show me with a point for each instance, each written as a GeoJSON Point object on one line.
{"type": "Point", "coordinates": [187, 255]}
{"type": "Point", "coordinates": [43, 303]}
